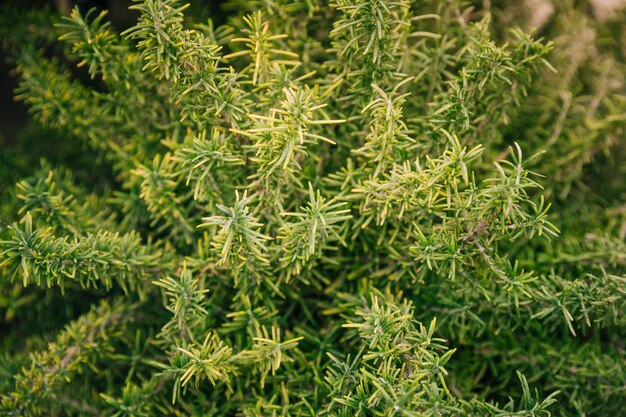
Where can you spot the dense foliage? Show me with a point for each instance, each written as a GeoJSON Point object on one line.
{"type": "Point", "coordinates": [362, 208]}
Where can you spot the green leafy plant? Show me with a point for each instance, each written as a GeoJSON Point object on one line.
{"type": "Point", "coordinates": [355, 208]}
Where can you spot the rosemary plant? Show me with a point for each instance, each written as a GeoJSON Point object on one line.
{"type": "Point", "coordinates": [303, 208]}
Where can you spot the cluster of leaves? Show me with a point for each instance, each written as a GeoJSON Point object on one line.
{"type": "Point", "coordinates": [367, 207]}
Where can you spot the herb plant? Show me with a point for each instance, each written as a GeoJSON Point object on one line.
{"type": "Point", "coordinates": [355, 208]}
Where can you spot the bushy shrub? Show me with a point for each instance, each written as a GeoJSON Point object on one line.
{"type": "Point", "coordinates": [363, 208]}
